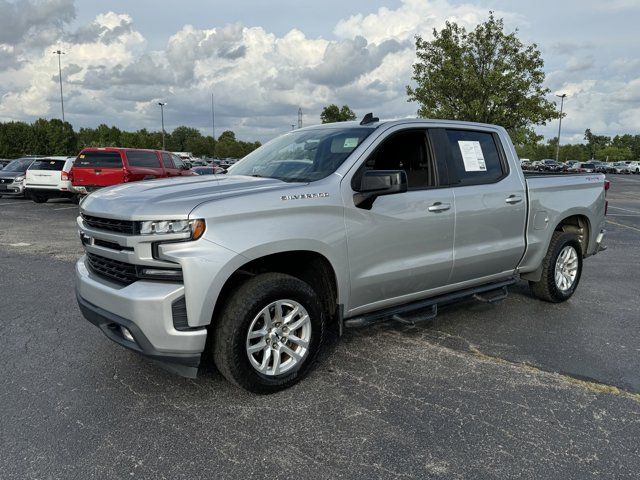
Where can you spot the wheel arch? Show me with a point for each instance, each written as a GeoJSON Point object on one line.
{"type": "Point", "coordinates": [309, 266]}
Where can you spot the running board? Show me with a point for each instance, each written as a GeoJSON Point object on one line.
{"type": "Point", "coordinates": [414, 312]}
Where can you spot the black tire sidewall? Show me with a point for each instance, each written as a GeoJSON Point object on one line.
{"type": "Point", "coordinates": [290, 288]}
{"type": "Point", "coordinates": [571, 240]}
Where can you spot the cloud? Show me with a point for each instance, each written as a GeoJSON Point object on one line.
{"type": "Point", "coordinates": [260, 78]}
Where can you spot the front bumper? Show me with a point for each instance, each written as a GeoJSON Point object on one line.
{"type": "Point", "coordinates": [12, 189]}
{"type": "Point", "coordinates": [144, 309]}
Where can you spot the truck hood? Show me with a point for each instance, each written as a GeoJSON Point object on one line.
{"type": "Point", "coordinates": [172, 198]}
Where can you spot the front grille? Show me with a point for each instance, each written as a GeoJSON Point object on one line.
{"type": "Point", "coordinates": [121, 226]}
{"type": "Point", "coordinates": [120, 272]}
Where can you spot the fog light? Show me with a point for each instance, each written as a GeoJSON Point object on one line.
{"type": "Point", "coordinates": [127, 334]}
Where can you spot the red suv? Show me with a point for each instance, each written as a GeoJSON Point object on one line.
{"type": "Point", "coordinates": [101, 167]}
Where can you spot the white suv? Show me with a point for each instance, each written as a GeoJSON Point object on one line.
{"type": "Point", "coordinates": [49, 177]}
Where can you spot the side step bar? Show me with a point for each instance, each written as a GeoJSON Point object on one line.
{"type": "Point", "coordinates": [423, 310]}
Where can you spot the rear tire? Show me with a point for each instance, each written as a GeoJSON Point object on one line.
{"type": "Point", "coordinates": [247, 314]}
{"type": "Point", "coordinates": [561, 269]}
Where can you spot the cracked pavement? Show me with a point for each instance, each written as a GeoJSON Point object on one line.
{"type": "Point", "coordinates": [518, 389]}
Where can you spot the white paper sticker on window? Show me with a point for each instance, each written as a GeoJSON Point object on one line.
{"type": "Point", "coordinates": [350, 142]}
{"type": "Point", "coordinates": [472, 156]}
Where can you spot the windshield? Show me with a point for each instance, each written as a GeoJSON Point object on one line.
{"type": "Point", "coordinates": [19, 165]}
{"type": "Point", "coordinates": [302, 156]}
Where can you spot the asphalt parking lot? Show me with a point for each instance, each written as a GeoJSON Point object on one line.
{"type": "Point", "coordinates": [519, 389]}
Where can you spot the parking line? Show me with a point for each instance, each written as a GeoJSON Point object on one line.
{"type": "Point", "coordinates": [624, 209]}
{"type": "Point", "coordinates": [65, 208]}
{"type": "Point", "coordinates": [12, 203]}
{"type": "Point", "coordinates": [622, 225]}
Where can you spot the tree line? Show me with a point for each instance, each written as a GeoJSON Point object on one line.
{"type": "Point", "coordinates": [596, 147]}
{"type": "Point", "coordinates": [55, 137]}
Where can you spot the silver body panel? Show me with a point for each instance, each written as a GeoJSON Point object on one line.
{"type": "Point", "coordinates": [394, 253]}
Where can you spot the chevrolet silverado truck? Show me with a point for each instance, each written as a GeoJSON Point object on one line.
{"type": "Point", "coordinates": [327, 227]}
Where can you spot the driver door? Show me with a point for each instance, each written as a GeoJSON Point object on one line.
{"type": "Point", "coordinates": [402, 247]}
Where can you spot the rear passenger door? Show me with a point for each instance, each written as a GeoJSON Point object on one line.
{"type": "Point", "coordinates": [490, 204]}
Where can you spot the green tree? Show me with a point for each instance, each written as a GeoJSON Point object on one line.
{"type": "Point", "coordinates": [16, 139]}
{"type": "Point", "coordinates": [595, 142]}
{"type": "Point", "coordinates": [485, 75]}
{"type": "Point", "coordinates": [178, 140]}
{"type": "Point", "coordinates": [333, 113]}
{"type": "Point", "coordinates": [614, 154]}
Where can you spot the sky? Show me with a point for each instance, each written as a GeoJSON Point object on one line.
{"type": "Point", "coordinates": [262, 60]}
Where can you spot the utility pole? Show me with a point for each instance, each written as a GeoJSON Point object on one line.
{"type": "Point", "coordinates": [162, 105]}
{"type": "Point", "coordinates": [300, 117]}
{"type": "Point", "coordinates": [60, 53]}
{"type": "Point", "coordinates": [561, 97]}
{"type": "Point", "coordinates": [213, 126]}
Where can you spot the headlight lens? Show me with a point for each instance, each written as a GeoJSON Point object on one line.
{"type": "Point", "coordinates": [18, 179]}
{"type": "Point", "coordinates": [154, 227]}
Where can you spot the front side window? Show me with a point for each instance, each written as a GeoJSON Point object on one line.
{"type": "Point", "coordinates": [302, 156]}
{"type": "Point", "coordinates": [143, 159]}
{"type": "Point", "coordinates": [405, 151]}
{"type": "Point", "coordinates": [474, 157]}
{"type": "Point", "coordinates": [177, 161]}
{"type": "Point", "coordinates": [167, 160]}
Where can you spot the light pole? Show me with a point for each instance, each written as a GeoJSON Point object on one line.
{"type": "Point", "coordinates": [60, 53]}
{"type": "Point", "coordinates": [561, 97]}
{"type": "Point", "coordinates": [162, 104]}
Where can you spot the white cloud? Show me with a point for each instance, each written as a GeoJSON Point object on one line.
{"type": "Point", "coordinates": [260, 78]}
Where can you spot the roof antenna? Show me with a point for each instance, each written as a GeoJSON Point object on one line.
{"type": "Point", "coordinates": [369, 118]}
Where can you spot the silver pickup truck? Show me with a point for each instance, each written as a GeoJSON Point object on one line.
{"type": "Point", "coordinates": [331, 226]}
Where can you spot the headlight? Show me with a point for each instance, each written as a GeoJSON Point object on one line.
{"type": "Point", "coordinates": [18, 179]}
{"type": "Point", "coordinates": [155, 227]}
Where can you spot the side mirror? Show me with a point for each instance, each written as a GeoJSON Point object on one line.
{"type": "Point", "coordinates": [375, 183]}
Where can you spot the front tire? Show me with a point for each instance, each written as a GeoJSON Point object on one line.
{"type": "Point", "coordinates": [561, 269]}
{"type": "Point", "coordinates": [268, 333]}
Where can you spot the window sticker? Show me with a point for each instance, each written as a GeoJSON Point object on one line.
{"type": "Point", "coordinates": [350, 142]}
{"type": "Point", "coordinates": [472, 156]}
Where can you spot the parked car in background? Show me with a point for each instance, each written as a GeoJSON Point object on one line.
{"type": "Point", "coordinates": [600, 167]}
{"type": "Point", "coordinates": [549, 165]}
{"type": "Point", "coordinates": [12, 177]}
{"type": "Point", "coordinates": [634, 167]}
{"type": "Point", "coordinates": [102, 167]}
{"type": "Point", "coordinates": [215, 170]}
{"type": "Point", "coordinates": [49, 177]}
{"type": "Point", "coordinates": [569, 164]}
{"type": "Point", "coordinates": [587, 167]}
{"type": "Point", "coordinates": [620, 167]}
{"type": "Point", "coordinates": [525, 165]}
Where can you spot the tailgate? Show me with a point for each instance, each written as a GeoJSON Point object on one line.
{"type": "Point", "coordinates": [100, 177]}
{"type": "Point", "coordinates": [45, 173]}
{"type": "Point", "coordinates": [98, 168]}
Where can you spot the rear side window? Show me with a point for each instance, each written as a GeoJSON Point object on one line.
{"type": "Point", "coordinates": [99, 159]}
{"type": "Point", "coordinates": [475, 158]}
{"type": "Point", "coordinates": [143, 159]}
{"type": "Point", "coordinates": [47, 165]}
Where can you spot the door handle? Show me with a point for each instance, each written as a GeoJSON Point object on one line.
{"type": "Point", "coordinates": [511, 199]}
{"type": "Point", "coordinates": [439, 207]}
